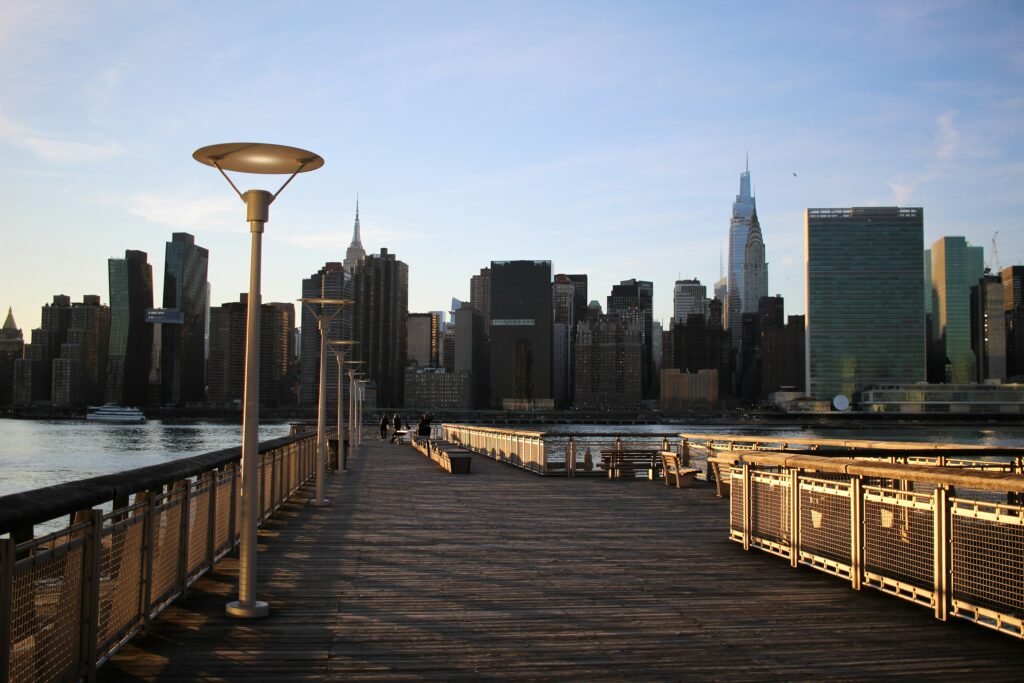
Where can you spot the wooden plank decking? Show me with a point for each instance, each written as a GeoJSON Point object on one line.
{"type": "Point", "coordinates": [415, 574]}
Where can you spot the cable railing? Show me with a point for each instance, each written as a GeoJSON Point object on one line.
{"type": "Point", "coordinates": [136, 541]}
{"type": "Point", "coordinates": [950, 539]}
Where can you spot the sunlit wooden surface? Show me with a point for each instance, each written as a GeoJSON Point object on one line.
{"type": "Point", "coordinates": [415, 574]}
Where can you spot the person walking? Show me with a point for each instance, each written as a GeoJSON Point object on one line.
{"type": "Point", "coordinates": [398, 426]}
{"type": "Point", "coordinates": [383, 426]}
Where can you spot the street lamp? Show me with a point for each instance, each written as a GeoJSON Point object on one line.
{"type": "Point", "coordinates": [340, 347]}
{"type": "Point", "coordinates": [353, 425]}
{"type": "Point", "coordinates": [315, 305]}
{"type": "Point", "coordinates": [253, 157]}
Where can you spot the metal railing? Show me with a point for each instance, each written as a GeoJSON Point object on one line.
{"type": "Point", "coordinates": [70, 599]}
{"type": "Point", "coordinates": [949, 539]}
{"type": "Point", "coordinates": [553, 453]}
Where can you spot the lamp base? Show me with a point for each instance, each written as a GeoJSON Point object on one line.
{"type": "Point", "coordinates": [257, 610]}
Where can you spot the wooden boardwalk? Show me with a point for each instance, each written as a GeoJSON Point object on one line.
{"type": "Point", "coordinates": [417, 575]}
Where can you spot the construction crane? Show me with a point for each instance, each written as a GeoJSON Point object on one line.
{"type": "Point", "coordinates": [995, 252]}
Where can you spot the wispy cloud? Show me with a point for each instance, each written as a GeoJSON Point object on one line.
{"type": "Point", "coordinates": [53, 148]}
{"type": "Point", "coordinates": [949, 136]}
{"type": "Point", "coordinates": [210, 213]}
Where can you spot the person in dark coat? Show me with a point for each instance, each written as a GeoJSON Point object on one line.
{"type": "Point", "coordinates": [398, 426]}
{"type": "Point", "coordinates": [423, 429]}
{"type": "Point", "coordinates": [384, 426]}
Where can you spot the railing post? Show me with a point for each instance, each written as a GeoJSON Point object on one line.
{"type": "Point", "coordinates": [183, 535]}
{"type": "Point", "coordinates": [233, 512]}
{"type": "Point", "coordinates": [794, 517]}
{"type": "Point", "coordinates": [856, 533]}
{"type": "Point", "coordinates": [146, 585]}
{"type": "Point", "coordinates": [7, 561]}
{"type": "Point", "coordinates": [90, 609]}
{"type": "Point", "coordinates": [942, 550]}
{"type": "Point", "coordinates": [746, 506]}
{"type": "Point", "coordinates": [211, 523]}
{"type": "Point", "coordinates": [570, 457]}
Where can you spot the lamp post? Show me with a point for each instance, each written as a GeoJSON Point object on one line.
{"type": "Point", "coordinates": [353, 424]}
{"type": "Point", "coordinates": [323, 320]}
{"type": "Point", "coordinates": [253, 157]}
{"type": "Point", "coordinates": [340, 348]}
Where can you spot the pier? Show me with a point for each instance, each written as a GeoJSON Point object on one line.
{"type": "Point", "coordinates": [415, 574]}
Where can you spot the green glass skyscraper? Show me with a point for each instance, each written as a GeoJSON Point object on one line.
{"type": "Point", "coordinates": [865, 299]}
{"type": "Point", "coordinates": [955, 268]}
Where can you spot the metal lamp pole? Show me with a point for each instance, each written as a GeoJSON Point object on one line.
{"type": "Point", "coordinates": [252, 157]}
{"type": "Point", "coordinates": [323, 320]}
{"type": "Point", "coordinates": [353, 424]}
{"type": "Point", "coordinates": [340, 347]}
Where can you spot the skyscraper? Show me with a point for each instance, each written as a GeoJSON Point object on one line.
{"type": "Point", "coordinates": [33, 374]}
{"type": "Point", "coordinates": [227, 352]}
{"type": "Point", "coordinates": [131, 337]}
{"type": "Point", "coordinates": [563, 302]}
{"type": "Point", "coordinates": [755, 270]}
{"type": "Point", "coordinates": [424, 336]}
{"type": "Point", "coordinates": [743, 211]}
{"type": "Point", "coordinates": [332, 281]}
{"type": "Point", "coordinates": [1013, 306]}
{"type": "Point", "coordinates": [634, 300]}
{"type": "Point", "coordinates": [956, 267]}
{"type": "Point", "coordinates": [688, 297]}
{"type": "Point", "coordinates": [520, 333]}
{"type": "Point", "coordinates": [865, 304]}
{"type": "Point", "coordinates": [988, 329]}
{"type": "Point", "coordinates": [183, 349]}
{"type": "Point", "coordinates": [480, 296]}
{"type": "Point", "coordinates": [609, 357]}
{"type": "Point", "coordinates": [79, 374]}
{"type": "Point", "coordinates": [355, 252]}
{"type": "Point", "coordinates": [381, 293]}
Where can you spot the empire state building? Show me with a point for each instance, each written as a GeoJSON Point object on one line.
{"type": "Point", "coordinates": [355, 252]}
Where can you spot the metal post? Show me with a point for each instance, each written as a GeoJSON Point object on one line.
{"type": "Point", "coordinates": [856, 533]}
{"type": "Point", "coordinates": [746, 506]}
{"type": "Point", "coordinates": [90, 609]}
{"type": "Point", "coordinates": [570, 457]}
{"type": "Point", "coordinates": [942, 550]}
{"type": "Point", "coordinates": [794, 517]}
{"type": "Point", "coordinates": [247, 606]}
{"type": "Point", "coordinates": [321, 416]}
{"type": "Point", "coordinates": [7, 561]}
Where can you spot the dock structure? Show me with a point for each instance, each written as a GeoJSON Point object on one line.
{"type": "Point", "coordinates": [416, 574]}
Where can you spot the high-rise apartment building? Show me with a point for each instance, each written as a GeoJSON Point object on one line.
{"type": "Point", "coordinates": [955, 268]}
{"type": "Point", "coordinates": [865, 304]}
{"type": "Point", "coordinates": [226, 373]}
{"type": "Point", "coordinates": [332, 281]}
{"type": "Point", "coordinates": [183, 348]}
{"type": "Point", "coordinates": [12, 348]}
{"type": "Point", "coordinates": [131, 337]}
{"type": "Point", "coordinates": [79, 374]}
{"type": "Point", "coordinates": [33, 374]}
{"type": "Point", "coordinates": [469, 351]}
{"type": "Point", "coordinates": [633, 300]}
{"type": "Point", "coordinates": [520, 334]}
{"type": "Point", "coordinates": [381, 293]}
{"type": "Point", "coordinates": [609, 358]}
{"type": "Point", "coordinates": [689, 297]}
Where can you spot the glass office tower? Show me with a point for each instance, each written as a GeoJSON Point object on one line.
{"type": "Point", "coordinates": [865, 299]}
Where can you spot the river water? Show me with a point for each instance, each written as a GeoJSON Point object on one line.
{"type": "Point", "coordinates": [37, 453]}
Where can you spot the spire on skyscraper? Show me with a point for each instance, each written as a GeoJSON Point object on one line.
{"type": "Point", "coordinates": [355, 252]}
{"type": "Point", "coordinates": [9, 324]}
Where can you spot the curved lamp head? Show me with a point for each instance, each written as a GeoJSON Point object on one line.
{"type": "Point", "coordinates": [321, 301]}
{"type": "Point", "coordinates": [258, 157]}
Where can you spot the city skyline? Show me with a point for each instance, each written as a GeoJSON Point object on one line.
{"type": "Point", "coordinates": [578, 129]}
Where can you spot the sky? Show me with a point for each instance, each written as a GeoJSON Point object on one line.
{"type": "Point", "coordinates": [606, 137]}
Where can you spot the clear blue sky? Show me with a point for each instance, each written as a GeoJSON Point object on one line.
{"type": "Point", "coordinates": [605, 137]}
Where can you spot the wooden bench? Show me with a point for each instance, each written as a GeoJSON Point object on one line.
{"type": "Point", "coordinates": [451, 458]}
{"type": "Point", "coordinates": [618, 463]}
{"type": "Point", "coordinates": [674, 471]}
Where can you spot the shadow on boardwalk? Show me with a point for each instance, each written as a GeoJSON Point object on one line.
{"type": "Point", "coordinates": [414, 574]}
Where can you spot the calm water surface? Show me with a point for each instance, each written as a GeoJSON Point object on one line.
{"type": "Point", "coordinates": [36, 453]}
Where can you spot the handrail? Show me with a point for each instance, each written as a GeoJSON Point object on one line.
{"type": "Point", "coordinates": [73, 597]}
{"type": "Point", "coordinates": [775, 442]}
{"type": "Point", "coordinates": [25, 508]}
{"type": "Point", "coordinates": [936, 536]}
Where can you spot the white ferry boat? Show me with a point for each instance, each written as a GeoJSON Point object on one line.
{"type": "Point", "coordinates": [115, 414]}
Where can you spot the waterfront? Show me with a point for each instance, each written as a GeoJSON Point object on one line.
{"type": "Point", "coordinates": [39, 453]}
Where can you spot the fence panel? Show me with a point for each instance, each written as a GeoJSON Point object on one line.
{"type": "Point", "coordinates": [121, 574]}
{"type": "Point", "coordinates": [899, 543]}
{"type": "Point", "coordinates": [770, 527]}
{"type": "Point", "coordinates": [825, 526]}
